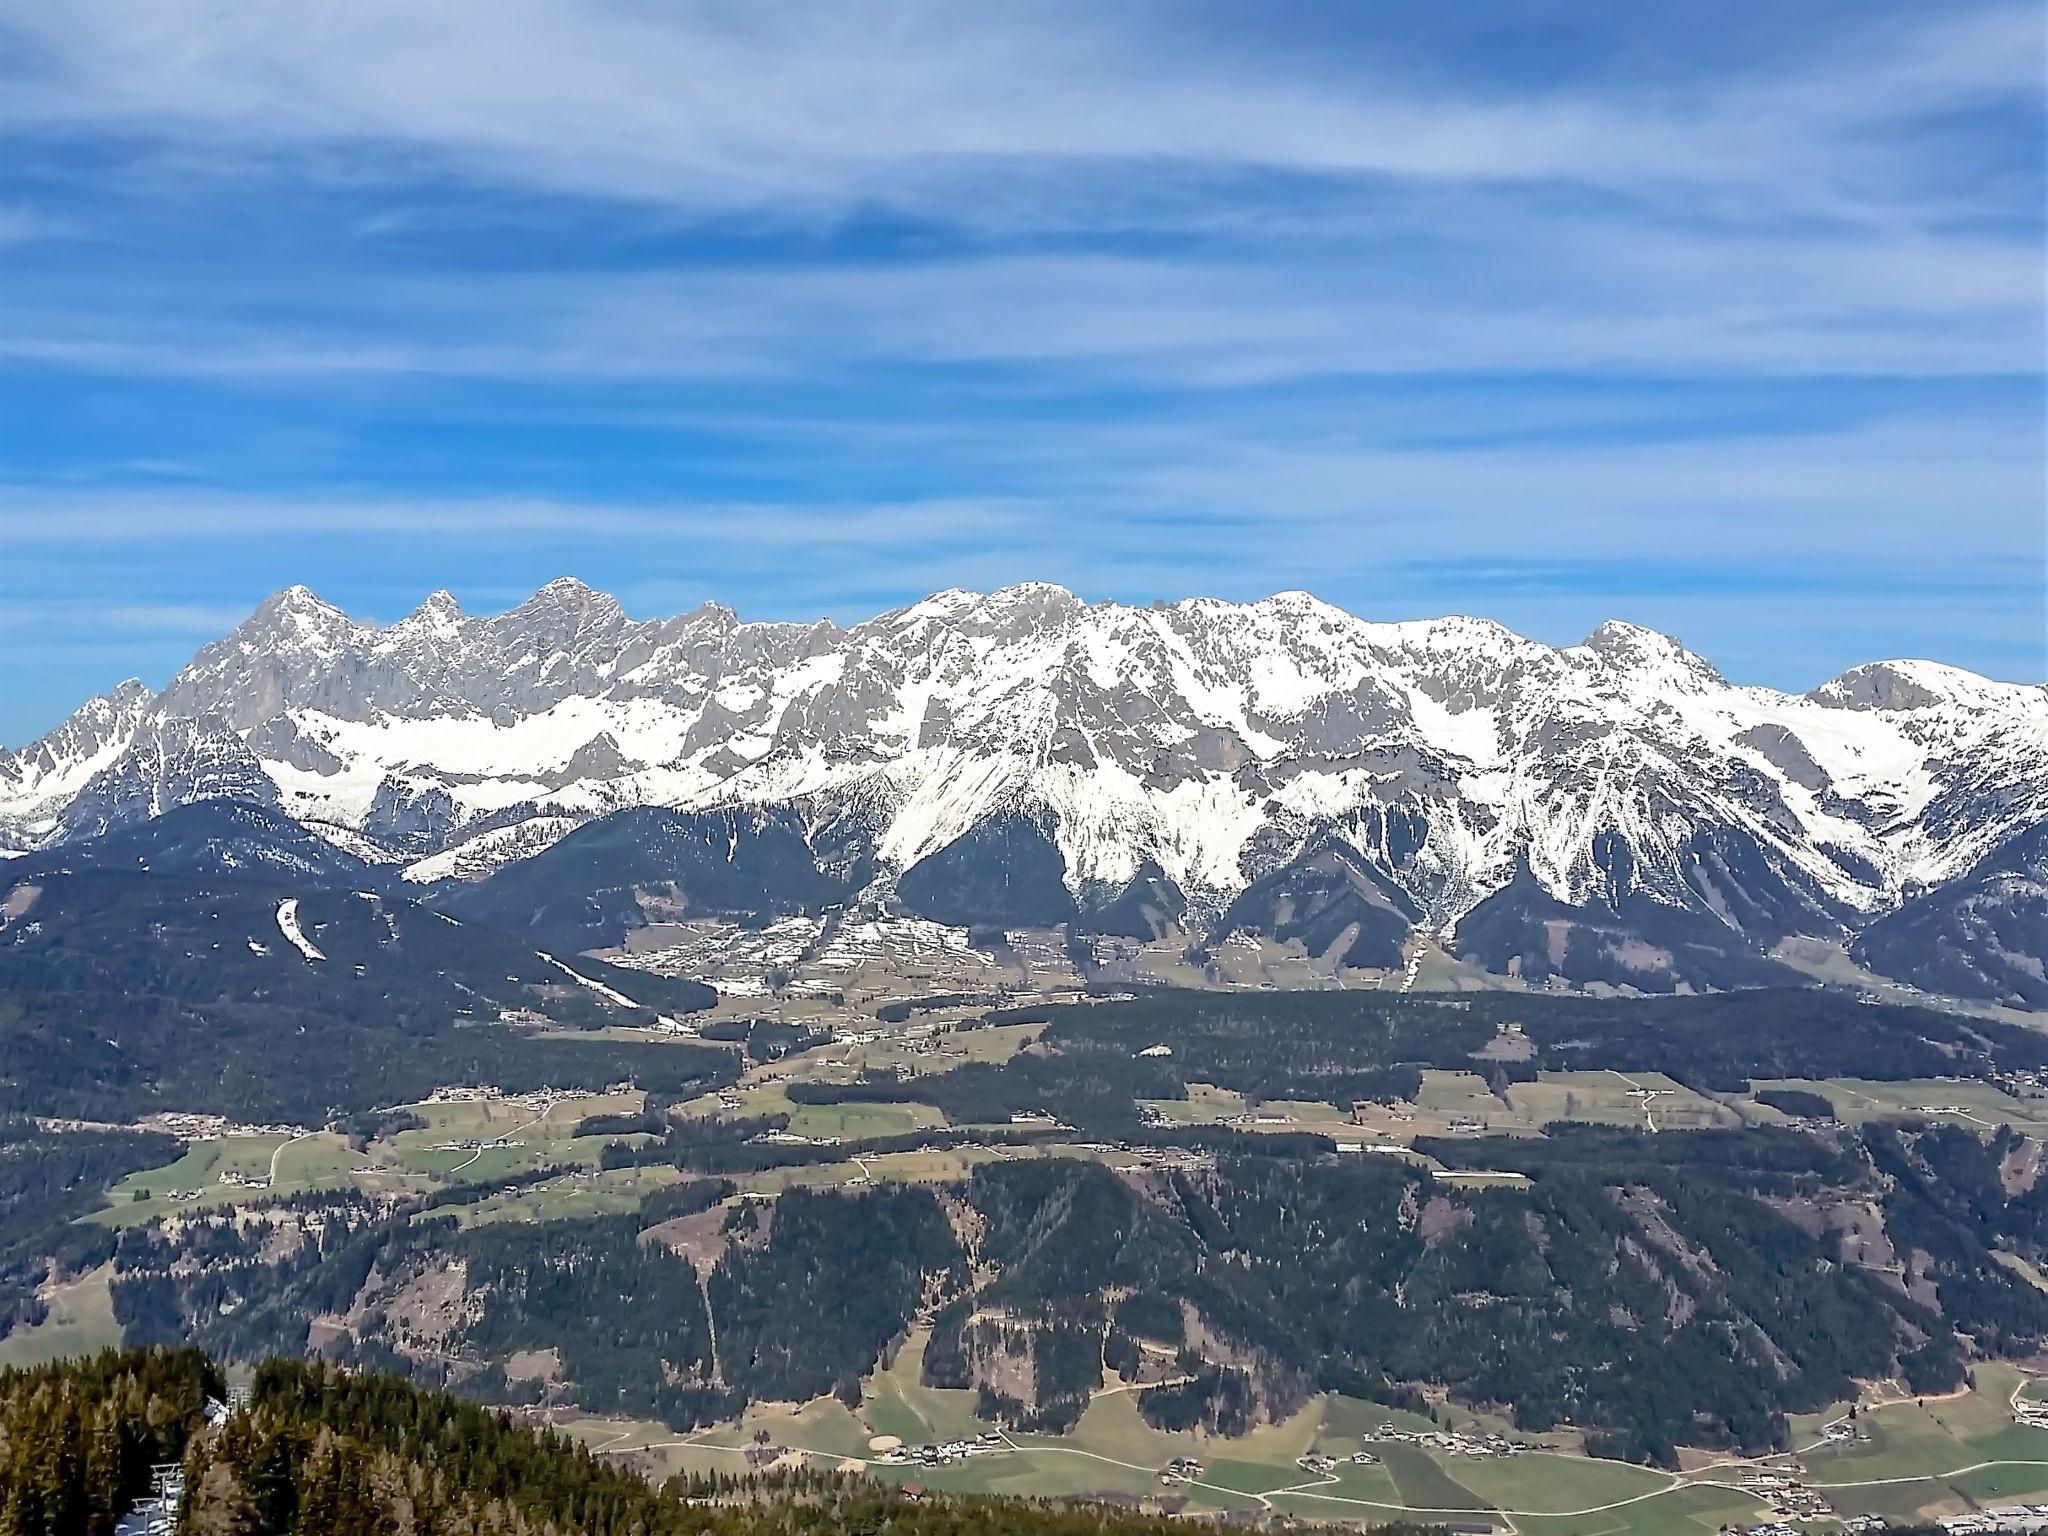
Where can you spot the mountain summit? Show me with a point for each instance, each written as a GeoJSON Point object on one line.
{"type": "Point", "coordinates": [1613, 811]}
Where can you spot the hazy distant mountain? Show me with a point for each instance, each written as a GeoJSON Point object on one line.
{"type": "Point", "coordinates": [1611, 811]}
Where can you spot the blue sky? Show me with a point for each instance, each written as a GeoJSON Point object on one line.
{"type": "Point", "coordinates": [1723, 319]}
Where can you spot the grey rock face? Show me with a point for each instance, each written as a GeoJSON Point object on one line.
{"type": "Point", "coordinates": [169, 762]}
{"type": "Point", "coordinates": [42, 778]}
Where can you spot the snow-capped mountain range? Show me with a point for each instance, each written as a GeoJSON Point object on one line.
{"type": "Point", "coordinates": [1613, 810]}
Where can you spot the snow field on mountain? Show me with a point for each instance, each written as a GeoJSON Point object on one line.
{"type": "Point", "coordinates": [1209, 738]}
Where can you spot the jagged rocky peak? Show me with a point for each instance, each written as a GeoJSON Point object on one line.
{"type": "Point", "coordinates": [1899, 687]}
{"type": "Point", "coordinates": [94, 723]}
{"type": "Point", "coordinates": [1192, 747]}
{"type": "Point", "coordinates": [170, 761]}
{"type": "Point", "coordinates": [298, 615]}
{"type": "Point", "coordinates": [567, 599]}
{"type": "Point", "coordinates": [1652, 656]}
{"type": "Point", "coordinates": [41, 776]}
{"type": "Point", "coordinates": [440, 614]}
{"type": "Point", "coordinates": [1306, 607]}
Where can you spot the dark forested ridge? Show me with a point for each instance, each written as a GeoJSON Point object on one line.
{"type": "Point", "coordinates": [1653, 1289]}
{"type": "Point", "coordinates": [602, 881]}
{"type": "Point", "coordinates": [792, 1302]}
{"type": "Point", "coordinates": [234, 842]}
{"type": "Point", "coordinates": [1982, 936]}
{"type": "Point", "coordinates": [219, 1011]}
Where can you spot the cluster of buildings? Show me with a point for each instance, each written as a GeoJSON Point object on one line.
{"type": "Point", "coordinates": [539, 1099]}
{"type": "Point", "coordinates": [468, 1144]}
{"type": "Point", "coordinates": [1186, 1159]}
{"type": "Point", "coordinates": [1323, 1466]}
{"type": "Point", "coordinates": [1451, 1442]}
{"type": "Point", "coordinates": [2029, 1084]}
{"type": "Point", "coordinates": [1998, 1517]}
{"type": "Point", "coordinates": [1788, 1496]}
{"type": "Point", "coordinates": [209, 1127]}
{"type": "Point", "coordinates": [941, 1454]}
{"type": "Point", "coordinates": [1384, 1148]}
{"type": "Point", "coordinates": [924, 1040]}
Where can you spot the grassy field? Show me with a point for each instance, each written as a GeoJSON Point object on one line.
{"type": "Point", "coordinates": [897, 1403]}
{"type": "Point", "coordinates": [1934, 1447]}
{"type": "Point", "coordinates": [1205, 1105]}
{"type": "Point", "coordinates": [939, 1167]}
{"type": "Point", "coordinates": [1111, 1427]}
{"type": "Point", "coordinates": [609, 1193]}
{"type": "Point", "coordinates": [81, 1322]}
{"type": "Point", "coordinates": [301, 1164]}
{"type": "Point", "coordinates": [1425, 1482]}
{"type": "Point", "coordinates": [1304, 1115]}
{"type": "Point", "coordinates": [1483, 1179]}
{"type": "Point", "coordinates": [534, 1136]}
{"type": "Point", "coordinates": [1683, 1512]}
{"type": "Point", "coordinates": [909, 1047]}
{"type": "Point", "coordinates": [1549, 1484]}
{"type": "Point", "coordinates": [1980, 1106]}
{"type": "Point", "coordinates": [860, 1122]}
{"type": "Point", "coordinates": [1439, 971]}
{"type": "Point", "coordinates": [1925, 1457]}
{"type": "Point", "coordinates": [1370, 1487]}
{"type": "Point", "coordinates": [412, 1161]}
{"type": "Point", "coordinates": [1609, 1098]}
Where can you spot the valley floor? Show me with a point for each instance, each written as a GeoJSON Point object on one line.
{"type": "Point", "coordinates": [1919, 1461]}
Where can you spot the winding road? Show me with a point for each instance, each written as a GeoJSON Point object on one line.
{"type": "Point", "coordinates": [547, 1109]}
{"type": "Point", "coordinates": [1678, 1481]}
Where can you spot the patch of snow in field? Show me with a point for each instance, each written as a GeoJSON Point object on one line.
{"type": "Point", "coordinates": [739, 986]}
{"type": "Point", "coordinates": [288, 925]}
{"type": "Point", "coordinates": [894, 939]}
{"type": "Point", "coordinates": [610, 994]}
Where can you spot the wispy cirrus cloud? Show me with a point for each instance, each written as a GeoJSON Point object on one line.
{"type": "Point", "coordinates": [1327, 209]}
{"type": "Point", "coordinates": [815, 104]}
{"type": "Point", "coordinates": [1520, 305]}
{"type": "Point", "coordinates": [1579, 302]}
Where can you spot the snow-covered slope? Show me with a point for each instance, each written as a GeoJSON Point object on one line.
{"type": "Point", "coordinates": [1203, 744]}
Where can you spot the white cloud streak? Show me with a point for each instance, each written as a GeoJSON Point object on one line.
{"type": "Point", "coordinates": [736, 104]}
{"type": "Point", "coordinates": [1774, 220]}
